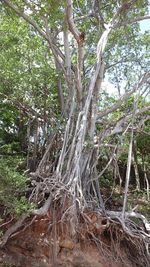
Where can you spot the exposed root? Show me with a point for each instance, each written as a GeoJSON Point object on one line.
{"type": "Point", "coordinates": [12, 230]}
{"type": "Point", "coordinates": [67, 227]}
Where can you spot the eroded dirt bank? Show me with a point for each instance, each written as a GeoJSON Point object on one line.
{"type": "Point", "coordinates": [97, 243]}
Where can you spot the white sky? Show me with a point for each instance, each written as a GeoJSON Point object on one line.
{"type": "Point", "coordinates": [145, 24]}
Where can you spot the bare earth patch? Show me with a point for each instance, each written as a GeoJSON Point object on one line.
{"type": "Point", "coordinates": [96, 243]}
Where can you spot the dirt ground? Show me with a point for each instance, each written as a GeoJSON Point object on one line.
{"type": "Point", "coordinates": [39, 243]}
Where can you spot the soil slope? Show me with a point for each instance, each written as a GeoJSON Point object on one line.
{"type": "Point", "coordinates": [40, 243]}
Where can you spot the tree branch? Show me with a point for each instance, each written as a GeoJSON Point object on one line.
{"type": "Point", "coordinates": [133, 20]}
{"type": "Point", "coordinates": [143, 80]}
{"type": "Point", "coordinates": [27, 18]}
{"type": "Point", "coordinates": [35, 25]}
{"type": "Point", "coordinates": [72, 27]}
{"type": "Point", "coordinates": [79, 37]}
{"type": "Point", "coordinates": [122, 124]}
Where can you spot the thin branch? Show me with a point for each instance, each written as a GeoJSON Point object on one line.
{"type": "Point", "coordinates": [106, 167]}
{"type": "Point", "coordinates": [27, 18]}
{"type": "Point", "coordinates": [72, 27]}
{"type": "Point", "coordinates": [23, 106]}
{"type": "Point", "coordinates": [35, 25]}
{"type": "Point", "coordinates": [12, 229]}
{"type": "Point", "coordinates": [122, 124]}
{"type": "Point", "coordinates": [84, 17]}
{"type": "Point", "coordinates": [136, 87]}
{"type": "Point", "coordinates": [124, 23]}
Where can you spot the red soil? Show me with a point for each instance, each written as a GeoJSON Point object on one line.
{"type": "Point", "coordinates": [43, 244]}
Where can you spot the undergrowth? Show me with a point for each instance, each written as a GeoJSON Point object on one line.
{"type": "Point", "coordinates": [13, 185]}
